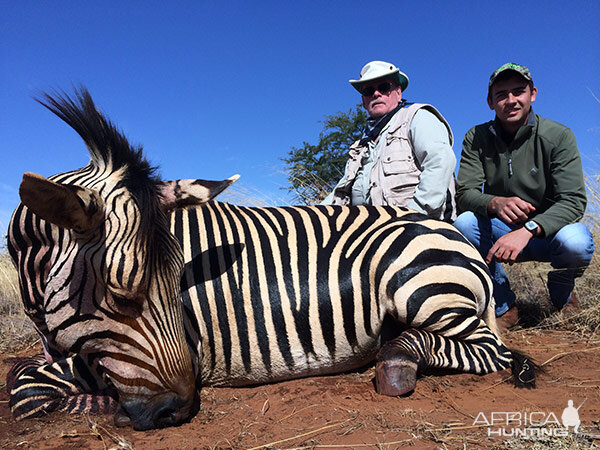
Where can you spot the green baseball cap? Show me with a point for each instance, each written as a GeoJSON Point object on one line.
{"type": "Point", "coordinates": [521, 70]}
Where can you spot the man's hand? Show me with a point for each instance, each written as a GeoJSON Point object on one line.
{"type": "Point", "coordinates": [510, 210]}
{"type": "Point", "coordinates": [507, 248]}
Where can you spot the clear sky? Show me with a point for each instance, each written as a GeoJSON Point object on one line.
{"type": "Point", "coordinates": [214, 88]}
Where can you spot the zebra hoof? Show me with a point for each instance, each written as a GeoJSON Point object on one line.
{"type": "Point", "coordinates": [395, 377]}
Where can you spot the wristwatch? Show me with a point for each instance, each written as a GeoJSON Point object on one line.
{"type": "Point", "coordinates": [532, 227]}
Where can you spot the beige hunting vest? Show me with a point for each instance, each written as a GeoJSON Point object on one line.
{"type": "Point", "coordinates": [396, 171]}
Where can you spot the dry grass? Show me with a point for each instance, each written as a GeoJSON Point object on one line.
{"type": "Point", "coordinates": [16, 330]}
{"type": "Point", "coordinates": [109, 440]}
{"type": "Point", "coordinates": [240, 195]}
{"type": "Point", "coordinates": [528, 281]}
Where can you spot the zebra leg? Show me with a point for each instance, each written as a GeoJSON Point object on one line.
{"type": "Point", "coordinates": [470, 347]}
{"type": "Point", "coordinates": [69, 385]}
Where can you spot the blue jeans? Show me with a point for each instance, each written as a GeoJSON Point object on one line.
{"type": "Point", "coordinates": [569, 251]}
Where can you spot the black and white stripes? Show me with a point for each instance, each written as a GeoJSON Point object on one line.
{"type": "Point", "coordinates": [143, 291]}
{"type": "Point", "coordinates": [274, 293]}
{"type": "Point", "coordinates": [99, 273]}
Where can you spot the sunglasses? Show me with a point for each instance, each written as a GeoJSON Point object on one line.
{"type": "Point", "coordinates": [383, 88]}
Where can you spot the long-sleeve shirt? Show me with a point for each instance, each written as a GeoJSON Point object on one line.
{"type": "Point", "coordinates": [540, 165]}
{"type": "Point", "coordinates": [433, 151]}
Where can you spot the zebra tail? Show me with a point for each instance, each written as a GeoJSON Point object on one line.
{"type": "Point", "coordinates": [523, 370]}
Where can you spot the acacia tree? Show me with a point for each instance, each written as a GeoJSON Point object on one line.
{"type": "Point", "coordinates": [313, 170]}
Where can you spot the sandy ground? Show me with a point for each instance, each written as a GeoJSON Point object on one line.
{"type": "Point", "coordinates": [344, 411]}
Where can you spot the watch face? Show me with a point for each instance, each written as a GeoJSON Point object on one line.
{"type": "Point", "coordinates": [531, 226]}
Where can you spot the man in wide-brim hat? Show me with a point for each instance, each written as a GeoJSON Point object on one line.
{"type": "Point", "coordinates": [404, 157]}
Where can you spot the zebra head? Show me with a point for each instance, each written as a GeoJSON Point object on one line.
{"type": "Point", "coordinates": [108, 268]}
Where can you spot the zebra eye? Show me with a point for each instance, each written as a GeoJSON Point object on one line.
{"type": "Point", "coordinates": [130, 305]}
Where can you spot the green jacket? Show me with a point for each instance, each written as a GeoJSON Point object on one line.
{"type": "Point", "coordinates": [541, 165]}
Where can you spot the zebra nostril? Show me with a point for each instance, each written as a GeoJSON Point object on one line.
{"type": "Point", "coordinates": [165, 417]}
{"type": "Point", "coordinates": [173, 409]}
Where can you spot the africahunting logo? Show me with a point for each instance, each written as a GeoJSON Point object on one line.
{"type": "Point", "coordinates": [534, 424]}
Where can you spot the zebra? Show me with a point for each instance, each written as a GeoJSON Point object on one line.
{"type": "Point", "coordinates": [143, 291]}
{"type": "Point", "coordinates": [280, 292]}
{"type": "Point", "coordinates": [99, 274]}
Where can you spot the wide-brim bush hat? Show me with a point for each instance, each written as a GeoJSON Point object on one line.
{"type": "Point", "coordinates": [379, 70]}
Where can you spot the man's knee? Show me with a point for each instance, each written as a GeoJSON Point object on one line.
{"type": "Point", "coordinates": [466, 223]}
{"type": "Point", "coordinates": [473, 227]}
{"type": "Point", "coordinates": [575, 244]}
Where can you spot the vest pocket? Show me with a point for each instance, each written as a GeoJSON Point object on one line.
{"type": "Point", "coordinates": [400, 178]}
{"type": "Point", "coordinates": [397, 164]}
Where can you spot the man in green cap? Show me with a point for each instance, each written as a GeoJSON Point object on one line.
{"type": "Point", "coordinates": [404, 157]}
{"type": "Point", "coordinates": [520, 185]}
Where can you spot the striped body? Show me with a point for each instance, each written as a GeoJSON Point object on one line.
{"type": "Point", "coordinates": [278, 293]}
{"type": "Point", "coordinates": [137, 312]}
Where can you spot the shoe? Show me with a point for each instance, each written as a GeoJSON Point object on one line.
{"type": "Point", "coordinates": [572, 307]}
{"type": "Point", "coordinates": [509, 319]}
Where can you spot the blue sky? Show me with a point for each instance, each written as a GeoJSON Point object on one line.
{"type": "Point", "coordinates": [211, 89]}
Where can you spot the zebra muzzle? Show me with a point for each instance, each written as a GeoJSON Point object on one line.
{"type": "Point", "coordinates": [161, 411]}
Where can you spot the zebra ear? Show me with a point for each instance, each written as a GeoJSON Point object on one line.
{"type": "Point", "coordinates": [182, 193]}
{"type": "Point", "coordinates": [68, 206]}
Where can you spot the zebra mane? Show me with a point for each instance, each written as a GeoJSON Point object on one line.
{"type": "Point", "coordinates": [109, 148]}
{"type": "Point", "coordinates": [107, 145]}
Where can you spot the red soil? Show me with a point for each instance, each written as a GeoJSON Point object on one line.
{"type": "Point", "coordinates": [343, 411]}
